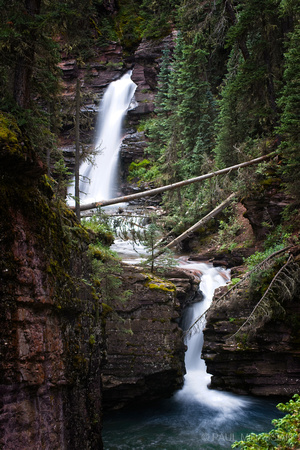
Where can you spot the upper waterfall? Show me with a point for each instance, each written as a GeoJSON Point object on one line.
{"type": "Point", "coordinates": [98, 179]}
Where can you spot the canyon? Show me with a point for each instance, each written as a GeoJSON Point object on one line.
{"type": "Point", "coordinates": [66, 356]}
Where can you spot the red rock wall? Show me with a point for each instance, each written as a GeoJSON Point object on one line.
{"type": "Point", "coordinates": [49, 372]}
{"type": "Point", "coordinates": [263, 359]}
{"type": "Point", "coordinates": [145, 349]}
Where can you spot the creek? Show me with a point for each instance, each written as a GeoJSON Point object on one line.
{"type": "Point", "coordinates": [195, 417]}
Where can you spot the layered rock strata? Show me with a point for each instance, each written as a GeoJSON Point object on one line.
{"type": "Point", "coordinates": [49, 371]}
{"type": "Point", "coordinates": [108, 65]}
{"type": "Point", "coordinates": [145, 350]}
{"type": "Point", "coordinates": [263, 358]}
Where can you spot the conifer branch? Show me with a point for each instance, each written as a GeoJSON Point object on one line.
{"type": "Point", "coordinates": [193, 329]}
{"type": "Point", "coordinates": [259, 304]}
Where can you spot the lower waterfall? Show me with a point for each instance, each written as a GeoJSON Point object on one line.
{"type": "Point", "coordinates": [197, 379]}
{"type": "Point", "coordinates": [195, 417]}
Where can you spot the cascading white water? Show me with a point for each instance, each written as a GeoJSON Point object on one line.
{"type": "Point", "coordinates": [197, 379]}
{"type": "Point", "coordinates": [98, 180]}
{"type": "Point", "coordinates": [195, 417]}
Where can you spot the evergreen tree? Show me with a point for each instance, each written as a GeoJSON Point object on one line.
{"type": "Point", "coordinates": [290, 103]}
{"type": "Point", "coordinates": [196, 110]}
{"type": "Point", "coordinates": [159, 17]}
{"type": "Point", "coordinates": [29, 55]}
{"type": "Point", "coordinates": [248, 104]}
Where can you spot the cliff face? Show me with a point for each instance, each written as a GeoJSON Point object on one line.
{"type": "Point", "coordinates": [52, 343]}
{"type": "Point", "coordinates": [263, 358]}
{"type": "Point", "coordinates": [49, 373]}
{"type": "Point", "coordinates": [145, 350]}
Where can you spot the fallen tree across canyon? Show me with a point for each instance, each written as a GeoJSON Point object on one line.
{"type": "Point", "coordinates": [170, 187]}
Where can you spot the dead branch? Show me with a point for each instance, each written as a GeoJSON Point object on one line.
{"type": "Point", "coordinates": [201, 222]}
{"type": "Point", "coordinates": [275, 278]}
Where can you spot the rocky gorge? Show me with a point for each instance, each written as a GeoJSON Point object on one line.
{"type": "Point", "coordinates": [65, 354]}
{"type": "Point", "coordinates": [251, 340]}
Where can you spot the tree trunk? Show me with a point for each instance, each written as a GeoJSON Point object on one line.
{"type": "Point", "coordinates": [25, 62]}
{"type": "Point", "coordinates": [169, 187]}
{"type": "Point", "coordinates": [77, 151]}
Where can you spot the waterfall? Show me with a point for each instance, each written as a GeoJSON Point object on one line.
{"type": "Point", "coordinates": [197, 379]}
{"type": "Point", "coordinates": [98, 179]}
{"type": "Point", "coordinates": [195, 417]}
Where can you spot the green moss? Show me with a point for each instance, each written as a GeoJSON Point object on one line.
{"type": "Point", "coordinates": [102, 233]}
{"type": "Point", "coordinates": [128, 331]}
{"type": "Point", "coordinates": [159, 320]}
{"type": "Point", "coordinates": [9, 133]}
{"type": "Point", "coordinates": [106, 309]}
{"type": "Point", "coordinates": [55, 248]}
{"type": "Point", "coordinates": [92, 340]}
{"type": "Point", "coordinates": [138, 169]}
{"type": "Point", "coordinates": [158, 283]}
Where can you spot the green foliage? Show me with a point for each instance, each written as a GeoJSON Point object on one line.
{"type": "Point", "coordinates": [129, 24]}
{"type": "Point", "coordinates": [248, 105]}
{"type": "Point", "coordinates": [284, 435]}
{"type": "Point", "coordinates": [276, 240]}
{"type": "Point", "coordinates": [182, 133]}
{"type": "Point", "coordinates": [259, 257]}
{"type": "Point", "coordinates": [290, 103]}
{"type": "Point", "coordinates": [99, 225]}
{"type": "Point", "coordinates": [29, 70]}
{"type": "Point", "coordinates": [227, 231]}
{"type": "Point", "coordinates": [138, 169]}
{"type": "Point", "coordinates": [150, 237]}
{"type": "Point", "coordinates": [61, 174]}
{"type": "Point", "coordinates": [158, 17]}
{"type": "Point", "coordinates": [106, 266]}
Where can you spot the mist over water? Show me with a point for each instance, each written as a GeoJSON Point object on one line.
{"type": "Point", "coordinates": [197, 379]}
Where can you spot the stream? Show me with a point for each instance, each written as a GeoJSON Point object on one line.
{"type": "Point", "coordinates": [196, 417]}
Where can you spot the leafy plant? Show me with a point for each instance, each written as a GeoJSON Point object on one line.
{"type": "Point", "coordinates": [227, 231]}
{"type": "Point", "coordinates": [285, 434]}
{"type": "Point", "coordinates": [138, 169]}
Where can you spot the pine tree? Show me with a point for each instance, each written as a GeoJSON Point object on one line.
{"type": "Point", "coordinates": [290, 102]}
{"type": "Point", "coordinates": [249, 98]}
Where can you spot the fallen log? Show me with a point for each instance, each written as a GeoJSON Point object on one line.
{"type": "Point", "coordinates": [200, 223]}
{"type": "Point", "coordinates": [169, 187]}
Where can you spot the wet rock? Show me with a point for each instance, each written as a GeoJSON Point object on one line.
{"type": "Point", "coordinates": [69, 69]}
{"type": "Point", "coordinates": [146, 61]}
{"type": "Point", "coordinates": [145, 350]}
{"type": "Point", "coordinates": [132, 149]}
{"type": "Point", "coordinates": [225, 259]}
{"type": "Point", "coordinates": [49, 377]}
{"type": "Point", "coordinates": [187, 285]}
{"type": "Point", "coordinates": [263, 358]}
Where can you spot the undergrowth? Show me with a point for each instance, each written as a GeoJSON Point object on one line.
{"type": "Point", "coordinates": [284, 435]}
